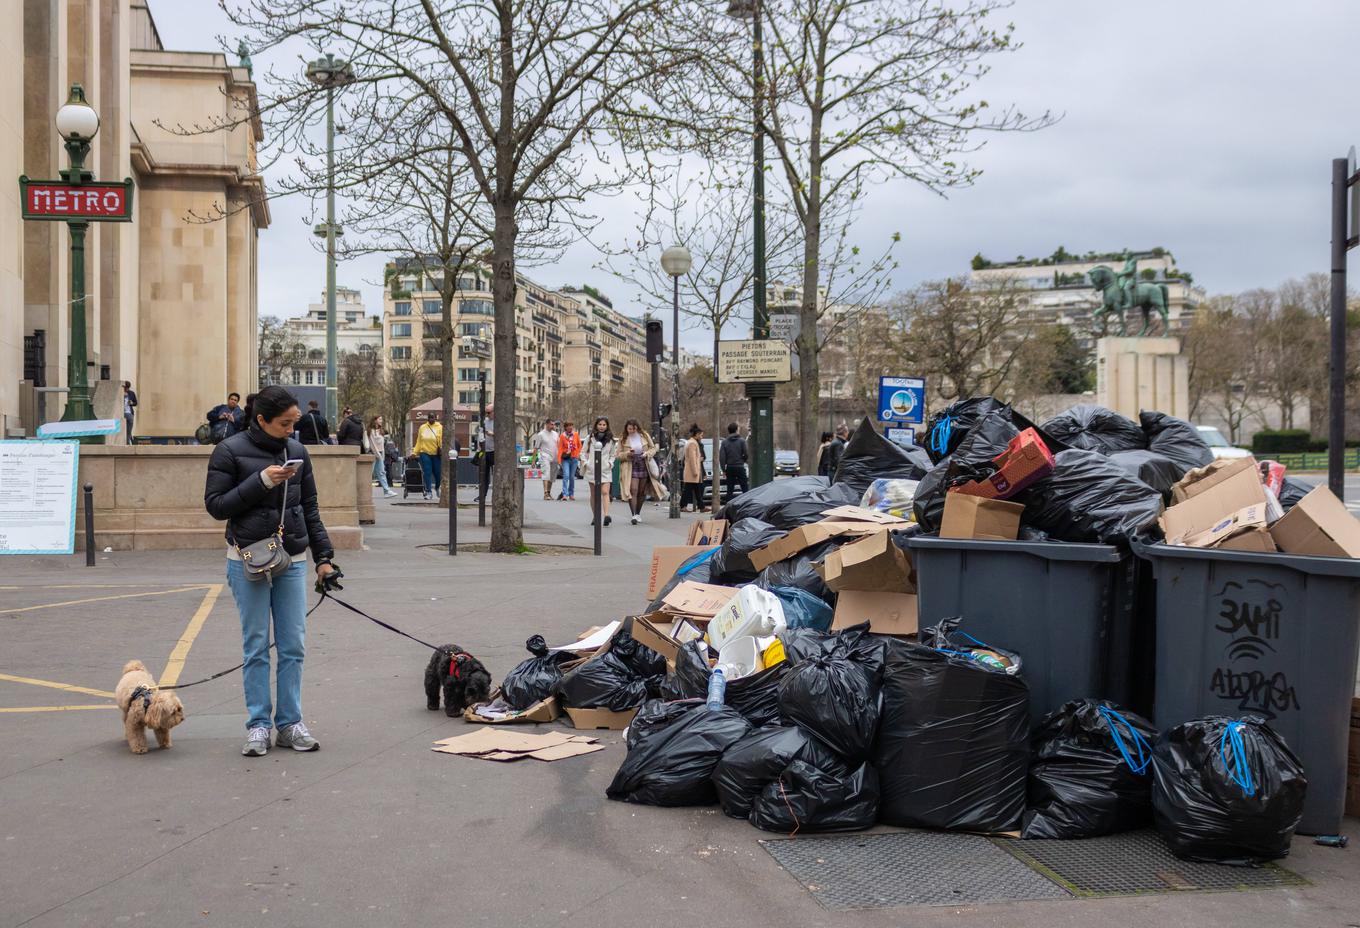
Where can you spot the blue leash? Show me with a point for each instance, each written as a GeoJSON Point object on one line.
{"type": "Point", "coordinates": [1115, 720]}
{"type": "Point", "coordinates": [1236, 765]}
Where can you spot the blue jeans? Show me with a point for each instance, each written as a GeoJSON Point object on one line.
{"type": "Point", "coordinates": [430, 472]}
{"type": "Point", "coordinates": [380, 474]}
{"type": "Point", "coordinates": [569, 476]}
{"type": "Point", "coordinates": [286, 599]}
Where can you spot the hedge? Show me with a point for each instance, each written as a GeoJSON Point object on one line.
{"type": "Point", "coordinates": [1280, 441]}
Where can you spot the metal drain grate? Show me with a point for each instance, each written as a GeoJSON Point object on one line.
{"type": "Point", "coordinates": [1136, 863]}
{"type": "Point", "coordinates": [908, 868]}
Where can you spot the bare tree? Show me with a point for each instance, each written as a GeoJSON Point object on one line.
{"type": "Point", "coordinates": [531, 91]}
{"type": "Point", "coordinates": [1223, 358]}
{"type": "Point", "coordinates": [865, 89]}
{"type": "Point", "coordinates": [278, 350]}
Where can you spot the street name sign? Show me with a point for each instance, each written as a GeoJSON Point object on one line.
{"type": "Point", "coordinates": [59, 200]}
{"type": "Point", "coordinates": [38, 497]}
{"type": "Point", "coordinates": [754, 361]}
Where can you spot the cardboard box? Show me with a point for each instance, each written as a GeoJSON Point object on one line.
{"type": "Point", "coordinates": [872, 564]}
{"type": "Point", "coordinates": [592, 719]}
{"type": "Point", "coordinates": [698, 599]}
{"type": "Point", "coordinates": [707, 532]}
{"type": "Point", "coordinates": [1244, 530]}
{"type": "Point", "coordinates": [545, 710]}
{"type": "Point", "coordinates": [1025, 460]}
{"type": "Point", "coordinates": [666, 560]}
{"type": "Point", "coordinates": [886, 613]}
{"type": "Point", "coordinates": [1211, 494]}
{"type": "Point", "coordinates": [654, 631]}
{"type": "Point", "coordinates": [980, 518]}
{"type": "Point", "coordinates": [1202, 479]}
{"type": "Point", "coordinates": [805, 536]}
{"type": "Point", "coordinates": [1319, 524]}
{"type": "Point", "coordinates": [862, 514]}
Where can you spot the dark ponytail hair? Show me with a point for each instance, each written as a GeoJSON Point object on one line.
{"type": "Point", "coordinates": [271, 402]}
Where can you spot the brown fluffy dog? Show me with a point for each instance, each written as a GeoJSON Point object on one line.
{"type": "Point", "coordinates": [143, 706]}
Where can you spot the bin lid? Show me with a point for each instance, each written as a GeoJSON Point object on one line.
{"type": "Point", "coordinates": [1049, 550]}
{"type": "Point", "coordinates": [1305, 563]}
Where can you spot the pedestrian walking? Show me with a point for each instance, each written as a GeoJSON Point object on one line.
{"type": "Point", "coordinates": [732, 458]}
{"type": "Point", "coordinates": [639, 477]}
{"type": "Point", "coordinates": [377, 446]}
{"type": "Point", "coordinates": [601, 439]}
{"type": "Point", "coordinates": [313, 429]}
{"type": "Point", "coordinates": [831, 456]}
{"type": "Point", "coordinates": [429, 447]}
{"type": "Point", "coordinates": [488, 450]}
{"type": "Point", "coordinates": [546, 447]}
{"type": "Point", "coordinates": [129, 407]}
{"type": "Point", "coordinates": [692, 475]}
{"type": "Point", "coordinates": [822, 460]}
{"type": "Point", "coordinates": [351, 430]}
{"type": "Point", "coordinates": [260, 483]}
{"type": "Point", "coordinates": [226, 419]}
{"type": "Point", "coordinates": [569, 459]}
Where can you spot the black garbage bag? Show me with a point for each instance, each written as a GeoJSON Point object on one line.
{"type": "Point", "coordinates": [1095, 428]}
{"type": "Point", "coordinates": [1091, 772]}
{"type": "Point", "coordinates": [801, 644]}
{"type": "Point", "coordinates": [1176, 439]}
{"type": "Point", "coordinates": [808, 797]}
{"type": "Point", "coordinates": [972, 460]}
{"type": "Point", "coordinates": [1293, 491]}
{"type": "Point", "coordinates": [732, 563]}
{"type": "Point", "coordinates": [756, 696]}
{"type": "Point", "coordinates": [1089, 498]}
{"type": "Point", "coordinates": [536, 678]}
{"type": "Point", "coordinates": [788, 514]}
{"type": "Point", "coordinates": [1227, 791]}
{"type": "Point", "coordinates": [752, 763]}
{"type": "Point", "coordinates": [643, 661]}
{"type": "Point", "coordinates": [947, 429]}
{"type": "Point", "coordinates": [836, 696]}
{"type": "Point", "coordinates": [754, 503]}
{"type": "Point", "coordinates": [698, 568]}
{"type": "Point", "coordinates": [673, 766]}
{"type": "Point", "coordinates": [953, 742]}
{"type": "Point", "coordinates": [947, 635]}
{"type": "Point", "coordinates": [1156, 470]}
{"type": "Point", "coordinates": [800, 571]}
{"type": "Point", "coordinates": [868, 456]}
{"type": "Point", "coordinates": [689, 680]}
{"type": "Point", "coordinates": [655, 714]}
{"type": "Point", "coordinates": [604, 682]}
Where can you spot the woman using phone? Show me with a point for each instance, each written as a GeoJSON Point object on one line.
{"type": "Point", "coordinates": [600, 439]}
{"type": "Point", "coordinates": [639, 477]}
{"type": "Point", "coordinates": [253, 476]}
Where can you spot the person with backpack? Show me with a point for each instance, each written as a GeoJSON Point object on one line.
{"type": "Point", "coordinates": [732, 458]}
{"type": "Point", "coordinates": [312, 428]}
{"type": "Point", "coordinates": [226, 419]}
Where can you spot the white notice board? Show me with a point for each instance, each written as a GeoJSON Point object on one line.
{"type": "Point", "coordinates": [38, 497]}
{"type": "Point", "coordinates": [754, 361]}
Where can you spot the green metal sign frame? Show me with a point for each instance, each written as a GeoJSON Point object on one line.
{"type": "Point", "coordinates": [126, 185]}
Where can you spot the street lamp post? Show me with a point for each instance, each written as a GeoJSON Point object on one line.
{"type": "Point", "coordinates": [330, 72]}
{"type": "Point", "coordinates": [761, 395]}
{"type": "Point", "coordinates": [675, 261]}
{"type": "Point", "coordinates": [78, 124]}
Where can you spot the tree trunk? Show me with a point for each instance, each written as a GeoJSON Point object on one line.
{"type": "Point", "coordinates": [450, 468]}
{"type": "Point", "coordinates": [809, 375]}
{"type": "Point", "coordinates": [716, 502]}
{"type": "Point", "coordinates": [507, 517]}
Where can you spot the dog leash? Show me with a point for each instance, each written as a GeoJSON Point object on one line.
{"type": "Point", "coordinates": [325, 595]}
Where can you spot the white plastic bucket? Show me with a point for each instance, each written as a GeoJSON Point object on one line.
{"type": "Point", "coordinates": [740, 657]}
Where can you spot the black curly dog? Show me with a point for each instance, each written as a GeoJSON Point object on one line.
{"type": "Point", "coordinates": [461, 676]}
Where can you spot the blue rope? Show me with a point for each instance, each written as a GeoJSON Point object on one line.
{"type": "Point", "coordinates": [1114, 720]}
{"type": "Point", "coordinates": [980, 644]}
{"type": "Point", "coordinates": [939, 436]}
{"type": "Point", "coordinates": [697, 561]}
{"type": "Point", "coordinates": [1238, 770]}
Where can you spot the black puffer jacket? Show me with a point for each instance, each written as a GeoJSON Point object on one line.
{"type": "Point", "coordinates": [236, 494]}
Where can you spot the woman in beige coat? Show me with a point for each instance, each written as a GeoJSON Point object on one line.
{"type": "Point", "coordinates": [639, 475]}
{"type": "Point", "coordinates": [693, 475]}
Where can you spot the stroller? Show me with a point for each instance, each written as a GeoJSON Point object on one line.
{"type": "Point", "coordinates": [412, 479]}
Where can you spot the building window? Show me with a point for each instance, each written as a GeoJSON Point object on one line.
{"type": "Point", "coordinates": [469, 397]}
{"type": "Point", "coordinates": [470, 328]}
{"type": "Point", "coordinates": [434, 330]}
{"type": "Point", "coordinates": [321, 378]}
{"type": "Point", "coordinates": [297, 377]}
{"type": "Point", "coordinates": [467, 375]}
{"type": "Point", "coordinates": [399, 353]}
{"type": "Point", "coordinates": [477, 307]}
{"type": "Point", "coordinates": [468, 283]}
{"type": "Point", "coordinates": [401, 308]}
{"type": "Point", "coordinates": [401, 330]}
{"type": "Point", "coordinates": [431, 307]}
{"type": "Point", "coordinates": [309, 378]}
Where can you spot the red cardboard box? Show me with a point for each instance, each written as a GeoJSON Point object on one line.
{"type": "Point", "coordinates": [1024, 461]}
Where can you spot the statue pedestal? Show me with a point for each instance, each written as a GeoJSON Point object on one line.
{"type": "Point", "coordinates": [1133, 374]}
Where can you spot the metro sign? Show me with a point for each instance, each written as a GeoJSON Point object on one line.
{"type": "Point", "coordinates": [64, 201]}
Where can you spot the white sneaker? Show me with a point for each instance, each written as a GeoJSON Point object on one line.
{"type": "Point", "coordinates": [637, 519]}
{"type": "Point", "coordinates": [389, 493]}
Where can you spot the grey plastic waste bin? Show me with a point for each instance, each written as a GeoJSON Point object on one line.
{"type": "Point", "coordinates": [1058, 605]}
{"type": "Point", "coordinates": [1272, 635]}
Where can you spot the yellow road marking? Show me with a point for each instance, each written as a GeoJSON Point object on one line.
{"type": "Point", "coordinates": [101, 599]}
{"type": "Point", "coordinates": [175, 664]}
{"type": "Point", "coordinates": [57, 708]}
{"type": "Point", "coordinates": [56, 686]}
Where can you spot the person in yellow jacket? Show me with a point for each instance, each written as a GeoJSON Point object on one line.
{"type": "Point", "coordinates": [429, 447]}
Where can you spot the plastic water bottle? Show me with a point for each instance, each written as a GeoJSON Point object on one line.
{"type": "Point", "coordinates": [717, 688]}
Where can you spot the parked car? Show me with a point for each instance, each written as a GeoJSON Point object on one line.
{"type": "Point", "coordinates": [1219, 445]}
{"type": "Point", "coordinates": [786, 463]}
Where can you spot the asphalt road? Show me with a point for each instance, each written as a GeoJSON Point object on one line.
{"type": "Point", "coordinates": [1352, 487]}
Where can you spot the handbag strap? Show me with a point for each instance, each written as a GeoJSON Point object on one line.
{"type": "Point", "coordinates": [283, 507]}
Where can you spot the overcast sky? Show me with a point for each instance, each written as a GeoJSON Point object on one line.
{"type": "Point", "coordinates": [1206, 127]}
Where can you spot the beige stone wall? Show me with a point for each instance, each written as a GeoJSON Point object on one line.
{"type": "Point", "coordinates": [11, 226]}
{"type": "Point", "coordinates": [1133, 374]}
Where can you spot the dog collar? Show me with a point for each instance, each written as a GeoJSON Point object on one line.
{"type": "Point", "coordinates": [453, 663]}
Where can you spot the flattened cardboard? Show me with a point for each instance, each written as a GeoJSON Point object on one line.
{"type": "Point", "coordinates": [976, 517]}
{"type": "Point", "coordinates": [1256, 539]}
{"type": "Point", "coordinates": [1211, 494]}
{"type": "Point", "coordinates": [1319, 524]}
{"type": "Point", "coordinates": [1249, 520]}
{"type": "Point", "coordinates": [707, 532]}
{"type": "Point", "coordinates": [861, 514]}
{"type": "Point", "coordinates": [593, 719]}
{"type": "Point", "coordinates": [505, 746]}
{"type": "Point", "coordinates": [872, 564]}
{"type": "Point", "coordinates": [666, 560]}
{"type": "Point", "coordinates": [699, 599]}
{"type": "Point", "coordinates": [805, 536]}
{"type": "Point", "coordinates": [562, 751]}
{"type": "Point", "coordinates": [654, 631]}
{"type": "Point", "coordinates": [887, 613]}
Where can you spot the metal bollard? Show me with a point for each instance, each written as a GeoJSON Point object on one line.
{"type": "Point", "coordinates": [598, 493]}
{"type": "Point", "coordinates": [482, 489]}
{"type": "Point", "coordinates": [453, 507]}
{"type": "Point", "coordinates": [89, 525]}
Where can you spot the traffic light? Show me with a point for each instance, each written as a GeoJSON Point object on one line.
{"type": "Point", "coordinates": [656, 342]}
